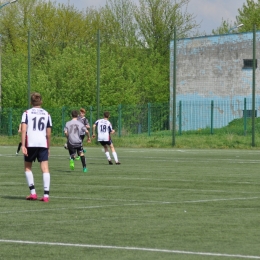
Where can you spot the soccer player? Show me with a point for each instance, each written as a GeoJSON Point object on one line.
{"type": "Point", "coordinates": [72, 130]}
{"type": "Point", "coordinates": [20, 143]}
{"type": "Point", "coordinates": [84, 120]}
{"type": "Point", "coordinates": [36, 137]}
{"type": "Point", "coordinates": [104, 129]}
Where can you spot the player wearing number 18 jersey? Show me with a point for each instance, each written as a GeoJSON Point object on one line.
{"type": "Point", "coordinates": [104, 129]}
{"type": "Point", "coordinates": [36, 134]}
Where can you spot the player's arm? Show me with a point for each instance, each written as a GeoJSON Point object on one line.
{"type": "Point", "coordinates": [88, 135]}
{"type": "Point", "coordinates": [48, 136]}
{"type": "Point", "coordinates": [94, 131]}
{"type": "Point", "coordinates": [86, 123]}
{"type": "Point", "coordinates": [65, 130]}
{"type": "Point", "coordinates": [23, 138]}
{"type": "Point", "coordinates": [111, 130]}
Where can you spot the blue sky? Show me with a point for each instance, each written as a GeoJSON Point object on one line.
{"type": "Point", "coordinates": [209, 13]}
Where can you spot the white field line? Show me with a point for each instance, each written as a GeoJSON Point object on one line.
{"type": "Point", "coordinates": [130, 248]}
{"type": "Point", "coordinates": [238, 159]}
{"type": "Point", "coordinates": [143, 188]}
{"type": "Point", "coordinates": [123, 205]}
{"type": "Point", "coordinates": [151, 150]}
{"type": "Point", "coordinates": [126, 177]}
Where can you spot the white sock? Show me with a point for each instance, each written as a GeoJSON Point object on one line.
{"type": "Point", "coordinates": [108, 155]}
{"type": "Point", "coordinates": [115, 156]}
{"type": "Point", "coordinates": [30, 181]}
{"type": "Point", "coordinates": [46, 182]}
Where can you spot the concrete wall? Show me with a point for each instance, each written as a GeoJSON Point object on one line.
{"type": "Point", "coordinates": [211, 68]}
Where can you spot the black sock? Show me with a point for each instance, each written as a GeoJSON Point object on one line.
{"type": "Point", "coordinates": [19, 147]}
{"type": "Point", "coordinates": [83, 161]}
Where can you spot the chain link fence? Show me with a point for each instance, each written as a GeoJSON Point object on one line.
{"type": "Point", "coordinates": [148, 118]}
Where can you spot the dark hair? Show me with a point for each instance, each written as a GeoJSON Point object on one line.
{"type": "Point", "coordinates": [36, 99]}
{"type": "Point", "coordinates": [74, 113]}
{"type": "Point", "coordinates": [106, 114]}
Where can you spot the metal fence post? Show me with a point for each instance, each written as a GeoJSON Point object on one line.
{"type": "Point", "coordinates": [212, 110]}
{"type": "Point", "coordinates": [180, 119]}
{"type": "Point", "coordinates": [10, 121]}
{"type": "Point", "coordinates": [119, 119]}
{"type": "Point", "coordinates": [149, 119]}
{"type": "Point", "coordinates": [245, 116]}
{"type": "Point", "coordinates": [90, 119]}
{"type": "Point", "coordinates": [63, 120]}
{"type": "Point", "coordinates": [253, 86]}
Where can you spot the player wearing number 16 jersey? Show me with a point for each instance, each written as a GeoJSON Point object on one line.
{"type": "Point", "coordinates": [104, 129]}
{"type": "Point", "coordinates": [36, 134]}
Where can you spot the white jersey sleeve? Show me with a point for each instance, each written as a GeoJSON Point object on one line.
{"type": "Point", "coordinates": [37, 121]}
{"type": "Point", "coordinates": [104, 128]}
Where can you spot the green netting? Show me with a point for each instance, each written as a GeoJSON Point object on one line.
{"type": "Point", "coordinates": [126, 119]}
{"type": "Point", "coordinates": [148, 118]}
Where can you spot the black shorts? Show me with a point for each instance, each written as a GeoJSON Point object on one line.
{"type": "Point", "coordinates": [73, 149]}
{"type": "Point", "coordinates": [41, 153]}
{"type": "Point", "coordinates": [103, 143]}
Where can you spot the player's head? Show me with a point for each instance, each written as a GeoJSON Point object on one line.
{"type": "Point", "coordinates": [74, 113]}
{"type": "Point", "coordinates": [82, 111]}
{"type": "Point", "coordinates": [106, 114]}
{"type": "Point", "coordinates": [36, 99]}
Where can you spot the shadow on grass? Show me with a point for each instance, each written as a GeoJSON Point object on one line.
{"type": "Point", "coordinates": [13, 197]}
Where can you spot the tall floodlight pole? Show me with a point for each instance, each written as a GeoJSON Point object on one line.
{"type": "Point", "coordinates": [98, 71]}
{"type": "Point", "coordinates": [174, 89]}
{"type": "Point", "coordinates": [253, 87]}
{"type": "Point", "coordinates": [29, 69]}
{"type": "Point", "coordinates": [0, 70]}
{"type": "Point", "coordinates": [1, 6]}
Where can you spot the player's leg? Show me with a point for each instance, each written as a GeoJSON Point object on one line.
{"type": "Point", "coordinates": [66, 145]}
{"type": "Point", "coordinates": [46, 180]}
{"type": "Point", "coordinates": [43, 157]}
{"type": "Point", "coordinates": [105, 147]}
{"type": "Point", "coordinates": [82, 158]}
{"type": "Point", "coordinates": [113, 151]}
{"type": "Point", "coordinates": [82, 138]}
{"type": "Point", "coordinates": [78, 157]}
{"type": "Point", "coordinates": [72, 153]}
{"type": "Point", "coordinates": [18, 148]}
{"type": "Point", "coordinates": [29, 179]}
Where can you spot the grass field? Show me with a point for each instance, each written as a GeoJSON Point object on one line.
{"type": "Point", "coordinates": [158, 204]}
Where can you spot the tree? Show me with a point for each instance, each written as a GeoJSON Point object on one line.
{"type": "Point", "coordinates": [224, 27]}
{"type": "Point", "coordinates": [157, 19]}
{"type": "Point", "coordinates": [249, 15]}
{"type": "Point", "coordinates": [118, 14]}
{"type": "Point", "coordinates": [134, 60]}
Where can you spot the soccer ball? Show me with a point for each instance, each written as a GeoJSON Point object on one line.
{"type": "Point", "coordinates": [65, 146]}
